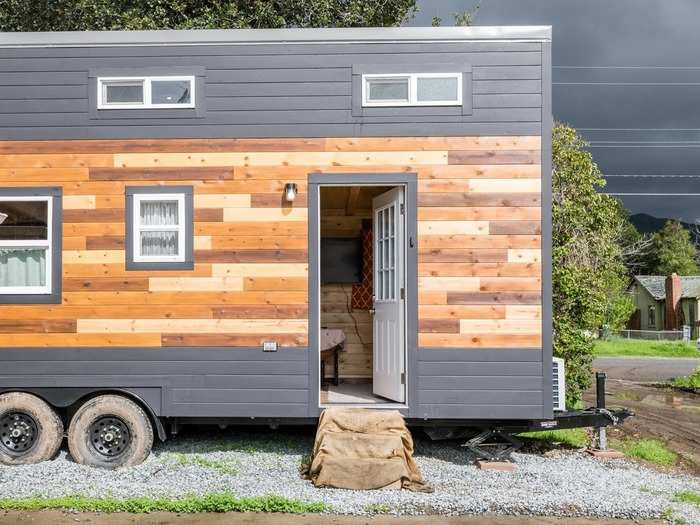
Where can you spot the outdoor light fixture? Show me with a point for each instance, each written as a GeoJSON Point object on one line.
{"type": "Point", "coordinates": [290, 191]}
{"type": "Point", "coordinates": [3, 216]}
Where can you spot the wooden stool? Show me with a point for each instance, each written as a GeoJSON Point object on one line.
{"type": "Point", "coordinates": [332, 342]}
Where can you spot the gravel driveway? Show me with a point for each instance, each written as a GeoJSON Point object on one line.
{"type": "Point", "coordinates": [254, 463]}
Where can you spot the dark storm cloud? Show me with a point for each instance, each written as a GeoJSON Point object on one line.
{"type": "Point", "coordinates": [626, 73]}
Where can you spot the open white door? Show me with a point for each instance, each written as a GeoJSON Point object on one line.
{"type": "Point", "coordinates": [389, 296]}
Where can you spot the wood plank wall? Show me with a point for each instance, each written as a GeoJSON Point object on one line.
{"type": "Point", "coordinates": [479, 239]}
{"type": "Point", "coordinates": [356, 361]}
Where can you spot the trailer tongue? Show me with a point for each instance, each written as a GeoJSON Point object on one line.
{"type": "Point", "coordinates": [500, 440]}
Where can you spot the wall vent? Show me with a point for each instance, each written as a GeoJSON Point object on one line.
{"type": "Point", "coordinates": [558, 384]}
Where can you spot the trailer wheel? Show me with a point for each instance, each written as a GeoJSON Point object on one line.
{"type": "Point", "coordinates": [30, 430]}
{"type": "Point", "coordinates": [110, 432]}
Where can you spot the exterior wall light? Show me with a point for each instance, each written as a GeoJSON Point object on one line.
{"type": "Point", "coordinates": [290, 191]}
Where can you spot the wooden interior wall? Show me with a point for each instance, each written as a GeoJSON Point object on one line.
{"type": "Point", "coordinates": [336, 312]}
{"type": "Point", "coordinates": [479, 242]}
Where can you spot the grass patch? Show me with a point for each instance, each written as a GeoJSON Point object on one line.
{"type": "Point", "coordinates": [617, 346]}
{"type": "Point", "coordinates": [224, 502]}
{"type": "Point", "coordinates": [377, 508]}
{"type": "Point", "coordinates": [222, 466]}
{"type": "Point", "coordinates": [670, 516]}
{"type": "Point", "coordinates": [569, 437]}
{"type": "Point", "coordinates": [651, 450]}
{"type": "Point", "coordinates": [691, 382]}
{"type": "Point", "coordinates": [687, 496]}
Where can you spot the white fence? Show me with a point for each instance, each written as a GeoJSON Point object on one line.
{"type": "Point", "coordinates": [653, 335]}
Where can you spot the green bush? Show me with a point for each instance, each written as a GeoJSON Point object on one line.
{"type": "Point", "coordinates": [589, 274]}
{"type": "Point", "coordinates": [95, 15]}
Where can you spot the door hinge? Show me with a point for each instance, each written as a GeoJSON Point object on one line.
{"type": "Point", "coordinates": [403, 293]}
{"type": "Point", "coordinates": [402, 208]}
{"type": "Point", "coordinates": [403, 378]}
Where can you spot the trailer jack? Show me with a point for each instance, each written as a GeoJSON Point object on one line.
{"type": "Point", "coordinates": [493, 445]}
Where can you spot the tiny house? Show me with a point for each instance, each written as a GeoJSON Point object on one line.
{"type": "Point", "coordinates": [238, 226]}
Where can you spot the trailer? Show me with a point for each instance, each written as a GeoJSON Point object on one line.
{"type": "Point", "coordinates": [247, 226]}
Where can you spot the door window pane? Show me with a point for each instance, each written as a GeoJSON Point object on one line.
{"type": "Point", "coordinates": [23, 220]}
{"type": "Point", "coordinates": [430, 89]}
{"type": "Point", "coordinates": [127, 92]}
{"type": "Point", "coordinates": [170, 92]}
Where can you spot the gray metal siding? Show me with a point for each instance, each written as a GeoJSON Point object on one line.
{"type": "Point", "coordinates": [479, 384]}
{"type": "Point", "coordinates": [271, 90]}
{"type": "Point", "coordinates": [194, 382]}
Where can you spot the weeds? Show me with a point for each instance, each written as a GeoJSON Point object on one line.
{"type": "Point", "coordinates": [377, 508]}
{"type": "Point", "coordinates": [222, 466]}
{"type": "Point", "coordinates": [569, 437]}
{"type": "Point", "coordinates": [691, 382]}
{"type": "Point", "coordinates": [687, 496]}
{"type": "Point", "coordinates": [223, 502]}
{"type": "Point", "coordinates": [651, 450]}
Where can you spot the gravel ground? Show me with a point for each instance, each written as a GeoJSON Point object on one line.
{"type": "Point", "coordinates": [255, 463]}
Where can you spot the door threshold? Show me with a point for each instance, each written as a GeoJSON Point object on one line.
{"type": "Point", "coordinates": [383, 406]}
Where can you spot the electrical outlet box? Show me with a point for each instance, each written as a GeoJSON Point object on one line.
{"type": "Point", "coordinates": [269, 346]}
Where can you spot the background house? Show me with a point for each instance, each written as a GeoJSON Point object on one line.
{"type": "Point", "coordinates": [665, 302]}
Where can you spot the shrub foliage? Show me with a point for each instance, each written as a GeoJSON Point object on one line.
{"type": "Point", "coordinates": [588, 271]}
{"type": "Point", "coordinates": [85, 15]}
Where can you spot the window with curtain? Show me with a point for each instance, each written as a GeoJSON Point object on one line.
{"type": "Point", "coordinates": [25, 245]}
{"type": "Point", "coordinates": [159, 227]}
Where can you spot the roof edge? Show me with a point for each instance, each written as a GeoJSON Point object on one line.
{"type": "Point", "coordinates": [272, 36]}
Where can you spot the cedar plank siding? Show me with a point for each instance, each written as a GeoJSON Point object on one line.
{"type": "Point", "coordinates": [189, 341]}
{"type": "Point", "coordinates": [478, 240]}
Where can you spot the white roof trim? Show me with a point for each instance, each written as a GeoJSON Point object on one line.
{"type": "Point", "coordinates": [274, 36]}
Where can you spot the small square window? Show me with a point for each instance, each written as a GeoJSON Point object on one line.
{"type": "Point", "coordinates": [145, 92]}
{"type": "Point", "coordinates": [159, 234]}
{"type": "Point", "coordinates": [29, 247]}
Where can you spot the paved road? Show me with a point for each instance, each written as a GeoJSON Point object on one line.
{"type": "Point", "coordinates": [645, 369]}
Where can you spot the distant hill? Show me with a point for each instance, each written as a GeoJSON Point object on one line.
{"type": "Point", "coordinates": [646, 223]}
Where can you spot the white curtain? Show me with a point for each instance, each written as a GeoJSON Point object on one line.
{"type": "Point", "coordinates": [159, 213]}
{"type": "Point", "coordinates": [22, 266]}
{"type": "Point", "coordinates": [159, 243]}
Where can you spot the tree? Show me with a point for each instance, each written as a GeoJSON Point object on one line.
{"type": "Point", "coordinates": [464, 18]}
{"type": "Point", "coordinates": [589, 276]}
{"type": "Point", "coordinates": [84, 15]}
{"type": "Point", "coordinates": [673, 251]}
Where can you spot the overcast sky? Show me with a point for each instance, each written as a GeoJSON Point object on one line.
{"type": "Point", "coordinates": [627, 75]}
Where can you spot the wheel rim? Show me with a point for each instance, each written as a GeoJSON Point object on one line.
{"type": "Point", "coordinates": [18, 433]}
{"type": "Point", "coordinates": [109, 436]}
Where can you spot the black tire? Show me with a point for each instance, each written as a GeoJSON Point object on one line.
{"type": "Point", "coordinates": [110, 432]}
{"type": "Point", "coordinates": [30, 430]}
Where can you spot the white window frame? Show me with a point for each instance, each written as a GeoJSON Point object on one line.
{"type": "Point", "coordinates": [412, 90]}
{"type": "Point", "coordinates": [147, 102]}
{"type": "Point", "coordinates": [33, 243]}
{"type": "Point", "coordinates": [138, 227]}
